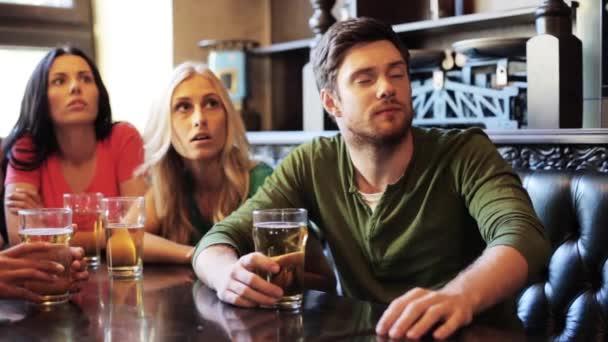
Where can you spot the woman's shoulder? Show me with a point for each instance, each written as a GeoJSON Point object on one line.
{"type": "Point", "coordinates": [123, 128]}
{"type": "Point", "coordinates": [23, 148]}
{"type": "Point", "coordinates": [260, 169]}
{"type": "Point", "coordinates": [257, 175]}
{"type": "Point", "coordinates": [122, 135]}
{"type": "Point", "coordinates": [124, 148]}
{"type": "Point", "coordinates": [25, 141]}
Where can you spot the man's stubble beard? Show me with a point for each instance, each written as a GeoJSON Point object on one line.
{"type": "Point", "coordinates": [379, 141]}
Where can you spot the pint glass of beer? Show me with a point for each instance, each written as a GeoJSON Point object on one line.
{"type": "Point", "coordinates": [86, 214]}
{"type": "Point", "coordinates": [281, 234]}
{"type": "Point", "coordinates": [124, 219]}
{"type": "Point", "coordinates": [54, 226]}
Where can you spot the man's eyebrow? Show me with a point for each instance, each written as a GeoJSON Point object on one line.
{"type": "Point", "coordinates": [371, 69]}
{"type": "Point", "coordinates": [358, 72]}
{"type": "Point", "coordinates": [397, 63]}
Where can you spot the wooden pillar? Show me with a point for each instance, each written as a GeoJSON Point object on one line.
{"type": "Point", "coordinates": [312, 110]}
{"type": "Point", "coordinates": [321, 18]}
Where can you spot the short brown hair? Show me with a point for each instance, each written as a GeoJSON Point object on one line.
{"type": "Point", "coordinates": [327, 55]}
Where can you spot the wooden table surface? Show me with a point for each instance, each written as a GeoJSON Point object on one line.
{"type": "Point", "coordinates": [168, 304]}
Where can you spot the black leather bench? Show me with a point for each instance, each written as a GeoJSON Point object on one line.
{"type": "Point", "coordinates": [570, 300]}
{"type": "Point", "coordinates": [566, 174]}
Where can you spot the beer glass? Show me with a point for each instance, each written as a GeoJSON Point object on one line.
{"type": "Point", "coordinates": [124, 219]}
{"type": "Point", "coordinates": [86, 214]}
{"type": "Point", "coordinates": [281, 234]}
{"type": "Point", "coordinates": [54, 226]}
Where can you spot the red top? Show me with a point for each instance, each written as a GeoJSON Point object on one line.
{"type": "Point", "coordinates": [117, 158]}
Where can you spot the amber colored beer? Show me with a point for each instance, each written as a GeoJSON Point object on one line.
{"type": "Point", "coordinates": [124, 248]}
{"type": "Point", "coordinates": [54, 291]}
{"type": "Point", "coordinates": [87, 234]}
{"type": "Point", "coordinates": [123, 220]}
{"type": "Point", "coordinates": [285, 242]}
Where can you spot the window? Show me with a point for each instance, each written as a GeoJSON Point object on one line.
{"type": "Point", "coordinates": [47, 3]}
{"type": "Point", "coordinates": [30, 28]}
{"type": "Point", "coordinates": [16, 66]}
{"type": "Point", "coordinates": [47, 24]}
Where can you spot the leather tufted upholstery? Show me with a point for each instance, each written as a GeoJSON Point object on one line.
{"type": "Point", "coordinates": [570, 301]}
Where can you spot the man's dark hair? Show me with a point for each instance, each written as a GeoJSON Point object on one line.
{"type": "Point", "coordinates": [327, 55]}
{"type": "Point", "coordinates": [35, 118]}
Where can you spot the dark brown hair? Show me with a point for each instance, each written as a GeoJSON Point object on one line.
{"type": "Point", "coordinates": [35, 118]}
{"type": "Point", "coordinates": [327, 55]}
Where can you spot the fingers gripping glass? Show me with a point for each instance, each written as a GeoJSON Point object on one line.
{"type": "Point", "coordinates": [281, 234]}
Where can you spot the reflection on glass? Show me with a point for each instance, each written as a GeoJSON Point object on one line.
{"type": "Point", "coordinates": [125, 314]}
{"type": "Point", "coordinates": [241, 324]}
{"type": "Point", "coordinates": [46, 3]}
{"type": "Point", "coordinates": [93, 301]}
{"type": "Point", "coordinates": [350, 320]}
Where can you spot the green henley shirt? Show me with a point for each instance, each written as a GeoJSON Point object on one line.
{"type": "Point", "coordinates": [456, 198]}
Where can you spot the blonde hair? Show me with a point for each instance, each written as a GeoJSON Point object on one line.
{"type": "Point", "coordinates": [166, 167]}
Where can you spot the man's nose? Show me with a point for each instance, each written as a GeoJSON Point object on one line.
{"type": "Point", "coordinates": [385, 88]}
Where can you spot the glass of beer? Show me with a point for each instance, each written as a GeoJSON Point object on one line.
{"type": "Point", "coordinates": [281, 234]}
{"type": "Point", "coordinates": [54, 226]}
{"type": "Point", "coordinates": [123, 220]}
{"type": "Point", "coordinates": [86, 214]}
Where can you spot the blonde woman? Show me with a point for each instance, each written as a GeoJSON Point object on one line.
{"type": "Point", "coordinates": [197, 158]}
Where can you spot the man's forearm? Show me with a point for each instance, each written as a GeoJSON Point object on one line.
{"type": "Point", "coordinates": [210, 263]}
{"type": "Point", "coordinates": [497, 274]}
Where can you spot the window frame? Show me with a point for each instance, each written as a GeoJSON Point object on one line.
{"type": "Point", "coordinates": [79, 14]}
{"type": "Point", "coordinates": [45, 26]}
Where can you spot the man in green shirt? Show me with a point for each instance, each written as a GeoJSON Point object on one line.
{"type": "Point", "coordinates": [433, 222]}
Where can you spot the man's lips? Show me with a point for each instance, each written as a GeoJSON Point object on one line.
{"type": "Point", "coordinates": [387, 110]}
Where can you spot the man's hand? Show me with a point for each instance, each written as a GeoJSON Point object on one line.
{"type": "Point", "coordinates": [497, 274]}
{"type": "Point", "coordinates": [22, 198]}
{"type": "Point", "coordinates": [241, 286]}
{"type": "Point", "coordinates": [413, 314]}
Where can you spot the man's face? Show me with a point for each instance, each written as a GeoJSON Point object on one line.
{"type": "Point", "coordinates": [372, 102]}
